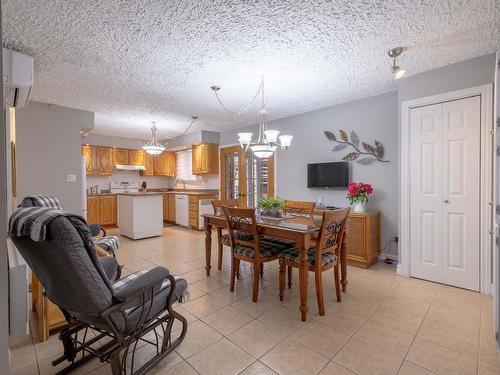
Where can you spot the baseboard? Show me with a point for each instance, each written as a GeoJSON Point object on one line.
{"type": "Point", "coordinates": [399, 270]}
{"type": "Point", "coordinates": [384, 256]}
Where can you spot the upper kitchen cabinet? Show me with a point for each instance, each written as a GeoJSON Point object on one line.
{"type": "Point", "coordinates": [90, 159]}
{"type": "Point", "coordinates": [164, 164]}
{"type": "Point", "coordinates": [136, 157]}
{"type": "Point", "coordinates": [120, 156]}
{"type": "Point", "coordinates": [148, 165]}
{"type": "Point", "coordinates": [104, 161]}
{"type": "Point", "coordinates": [205, 158]}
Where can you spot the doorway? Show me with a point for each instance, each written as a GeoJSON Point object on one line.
{"type": "Point", "coordinates": [245, 177]}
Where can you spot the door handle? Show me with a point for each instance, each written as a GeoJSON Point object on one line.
{"type": "Point", "coordinates": [446, 201]}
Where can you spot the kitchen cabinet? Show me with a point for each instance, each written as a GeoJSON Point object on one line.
{"type": "Point", "coordinates": [120, 156]}
{"type": "Point", "coordinates": [169, 208]}
{"type": "Point", "coordinates": [148, 164]}
{"type": "Point", "coordinates": [104, 160]}
{"type": "Point", "coordinates": [194, 209]}
{"type": "Point", "coordinates": [101, 209]}
{"type": "Point", "coordinates": [164, 164]}
{"type": "Point", "coordinates": [205, 159]}
{"type": "Point", "coordinates": [90, 159]}
{"type": "Point", "coordinates": [107, 209]}
{"type": "Point", "coordinates": [136, 157]}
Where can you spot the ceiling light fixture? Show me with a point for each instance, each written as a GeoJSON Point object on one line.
{"type": "Point", "coordinates": [153, 147]}
{"type": "Point", "coordinates": [267, 142]}
{"type": "Point", "coordinates": [397, 71]}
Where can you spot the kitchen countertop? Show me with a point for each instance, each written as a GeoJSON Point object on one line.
{"type": "Point", "coordinates": [140, 194]}
{"type": "Point", "coordinates": [160, 191]}
{"type": "Point", "coordinates": [190, 192]}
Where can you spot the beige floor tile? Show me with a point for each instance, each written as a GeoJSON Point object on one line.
{"type": "Point", "coordinates": [454, 317]}
{"type": "Point", "coordinates": [453, 338]}
{"type": "Point", "coordinates": [198, 337]}
{"type": "Point", "coordinates": [333, 368]}
{"type": "Point", "coordinates": [291, 357]}
{"type": "Point", "coordinates": [221, 358]}
{"type": "Point", "coordinates": [408, 368]}
{"type": "Point", "coordinates": [255, 309]}
{"type": "Point", "coordinates": [258, 368]}
{"type": "Point", "coordinates": [320, 338]}
{"type": "Point", "coordinates": [30, 368]}
{"type": "Point", "coordinates": [204, 305]}
{"type": "Point", "coordinates": [439, 359]}
{"type": "Point", "coordinates": [227, 320]}
{"type": "Point", "coordinates": [366, 359]}
{"type": "Point", "coordinates": [284, 318]}
{"type": "Point", "coordinates": [409, 305]}
{"type": "Point", "coordinates": [211, 284]}
{"type": "Point", "coordinates": [257, 338]}
{"type": "Point", "coordinates": [487, 349]}
{"type": "Point", "coordinates": [195, 292]}
{"type": "Point", "coordinates": [400, 320]}
{"type": "Point", "coordinates": [182, 368]}
{"type": "Point", "coordinates": [388, 339]}
{"type": "Point", "coordinates": [230, 297]}
{"type": "Point", "coordinates": [145, 353]}
{"type": "Point", "coordinates": [487, 369]}
{"type": "Point", "coordinates": [342, 321]}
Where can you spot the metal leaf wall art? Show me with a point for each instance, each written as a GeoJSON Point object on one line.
{"type": "Point", "coordinates": [366, 154]}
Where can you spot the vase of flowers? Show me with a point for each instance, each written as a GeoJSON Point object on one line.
{"type": "Point", "coordinates": [357, 194]}
{"type": "Point", "coordinates": [271, 206]}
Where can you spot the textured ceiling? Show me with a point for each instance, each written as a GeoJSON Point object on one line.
{"type": "Point", "coordinates": [132, 62]}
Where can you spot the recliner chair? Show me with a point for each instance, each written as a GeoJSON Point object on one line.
{"type": "Point", "coordinates": [124, 312]}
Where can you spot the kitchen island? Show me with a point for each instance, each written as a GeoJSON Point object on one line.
{"type": "Point", "coordinates": [140, 215]}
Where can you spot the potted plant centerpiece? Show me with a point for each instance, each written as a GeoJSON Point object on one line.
{"type": "Point", "coordinates": [271, 206]}
{"type": "Point", "coordinates": [357, 194]}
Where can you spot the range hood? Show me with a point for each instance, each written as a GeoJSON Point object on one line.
{"type": "Point", "coordinates": [123, 167]}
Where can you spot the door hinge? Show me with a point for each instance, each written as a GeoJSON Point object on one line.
{"type": "Point", "coordinates": [492, 131]}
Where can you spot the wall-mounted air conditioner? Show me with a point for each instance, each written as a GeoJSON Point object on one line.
{"type": "Point", "coordinates": [17, 77]}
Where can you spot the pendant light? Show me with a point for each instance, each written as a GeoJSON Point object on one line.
{"type": "Point", "coordinates": [153, 147]}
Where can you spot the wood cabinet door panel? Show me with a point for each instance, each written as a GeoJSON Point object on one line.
{"type": "Point", "coordinates": [171, 207]}
{"type": "Point", "coordinates": [108, 209]}
{"type": "Point", "coordinates": [159, 164]}
{"type": "Point", "coordinates": [170, 163]}
{"type": "Point", "coordinates": [93, 210]}
{"type": "Point", "coordinates": [120, 156]}
{"type": "Point", "coordinates": [148, 164]}
{"type": "Point", "coordinates": [136, 157]}
{"type": "Point", "coordinates": [90, 159]}
{"type": "Point", "coordinates": [356, 237]}
{"type": "Point", "coordinates": [104, 161]}
{"type": "Point", "coordinates": [165, 207]}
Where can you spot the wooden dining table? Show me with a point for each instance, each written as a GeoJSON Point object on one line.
{"type": "Point", "coordinates": [299, 229]}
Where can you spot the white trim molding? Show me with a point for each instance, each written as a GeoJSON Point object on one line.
{"type": "Point", "coordinates": [487, 199]}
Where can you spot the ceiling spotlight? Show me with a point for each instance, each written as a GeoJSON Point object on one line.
{"type": "Point", "coordinates": [397, 71]}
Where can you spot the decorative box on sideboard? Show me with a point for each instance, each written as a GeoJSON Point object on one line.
{"type": "Point", "coordinates": [363, 238]}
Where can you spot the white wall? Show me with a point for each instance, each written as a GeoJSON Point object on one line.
{"type": "Point", "coordinates": [374, 118]}
{"type": "Point", "coordinates": [48, 148]}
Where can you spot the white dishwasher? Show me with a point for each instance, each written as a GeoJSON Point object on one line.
{"type": "Point", "coordinates": [181, 210]}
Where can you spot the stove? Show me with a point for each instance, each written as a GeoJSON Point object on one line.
{"type": "Point", "coordinates": [123, 187]}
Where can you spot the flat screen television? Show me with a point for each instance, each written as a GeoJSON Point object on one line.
{"type": "Point", "coordinates": [328, 175]}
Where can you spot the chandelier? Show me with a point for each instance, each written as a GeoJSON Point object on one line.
{"type": "Point", "coordinates": [268, 140]}
{"type": "Point", "coordinates": [153, 147]}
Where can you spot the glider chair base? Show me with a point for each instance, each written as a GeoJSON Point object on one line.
{"type": "Point", "coordinates": [120, 349]}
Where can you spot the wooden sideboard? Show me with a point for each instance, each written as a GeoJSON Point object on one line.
{"type": "Point", "coordinates": [363, 237]}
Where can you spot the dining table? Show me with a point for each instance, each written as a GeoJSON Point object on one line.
{"type": "Point", "coordinates": [300, 229]}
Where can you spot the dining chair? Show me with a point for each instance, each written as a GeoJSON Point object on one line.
{"type": "Point", "coordinates": [321, 257]}
{"type": "Point", "coordinates": [222, 239]}
{"type": "Point", "coordinates": [248, 245]}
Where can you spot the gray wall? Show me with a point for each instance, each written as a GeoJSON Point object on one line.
{"type": "Point", "coordinates": [469, 73]}
{"type": "Point", "coordinates": [374, 118]}
{"type": "Point", "coordinates": [48, 148]}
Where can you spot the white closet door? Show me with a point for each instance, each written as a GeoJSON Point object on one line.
{"type": "Point", "coordinates": [445, 177]}
{"type": "Point", "coordinates": [426, 231]}
{"type": "Point", "coordinates": [461, 178]}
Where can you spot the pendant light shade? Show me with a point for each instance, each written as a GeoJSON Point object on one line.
{"type": "Point", "coordinates": [153, 147]}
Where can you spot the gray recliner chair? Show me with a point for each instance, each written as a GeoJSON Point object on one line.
{"type": "Point", "coordinates": [122, 313]}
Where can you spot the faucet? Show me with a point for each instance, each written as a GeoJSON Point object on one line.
{"type": "Point", "coordinates": [183, 183]}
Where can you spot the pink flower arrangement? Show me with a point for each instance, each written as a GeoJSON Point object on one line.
{"type": "Point", "coordinates": [358, 192]}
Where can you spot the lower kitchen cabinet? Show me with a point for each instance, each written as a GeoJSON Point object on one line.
{"type": "Point", "coordinates": [169, 208]}
{"type": "Point", "coordinates": [101, 209]}
{"type": "Point", "coordinates": [194, 209]}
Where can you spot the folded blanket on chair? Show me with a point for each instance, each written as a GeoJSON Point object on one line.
{"type": "Point", "coordinates": [32, 221]}
{"type": "Point", "coordinates": [44, 201]}
{"type": "Point", "coordinates": [108, 243]}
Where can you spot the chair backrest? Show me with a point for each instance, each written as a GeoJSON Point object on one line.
{"type": "Point", "coordinates": [217, 204]}
{"type": "Point", "coordinates": [331, 233]}
{"type": "Point", "coordinates": [68, 268]}
{"type": "Point", "coordinates": [242, 227]}
{"type": "Point", "coordinates": [299, 208]}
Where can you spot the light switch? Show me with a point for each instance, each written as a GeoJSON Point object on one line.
{"type": "Point", "coordinates": [71, 178]}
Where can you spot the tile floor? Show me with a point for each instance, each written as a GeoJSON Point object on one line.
{"type": "Point", "coordinates": [385, 325]}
